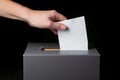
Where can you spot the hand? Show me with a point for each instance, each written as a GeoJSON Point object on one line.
{"type": "Point", "coordinates": [46, 19]}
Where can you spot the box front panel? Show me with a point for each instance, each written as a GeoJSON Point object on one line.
{"type": "Point", "coordinates": [72, 67]}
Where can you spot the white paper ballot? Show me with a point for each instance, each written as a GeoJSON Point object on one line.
{"type": "Point", "coordinates": [75, 38]}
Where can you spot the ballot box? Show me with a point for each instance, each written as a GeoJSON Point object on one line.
{"type": "Point", "coordinates": [41, 64]}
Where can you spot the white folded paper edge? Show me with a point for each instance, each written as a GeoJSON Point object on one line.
{"type": "Point", "coordinates": [75, 38]}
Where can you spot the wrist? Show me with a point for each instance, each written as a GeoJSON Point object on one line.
{"type": "Point", "coordinates": [25, 15]}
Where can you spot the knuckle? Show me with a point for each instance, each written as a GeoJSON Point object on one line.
{"type": "Point", "coordinates": [32, 23]}
{"type": "Point", "coordinates": [49, 24]}
{"type": "Point", "coordinates": [53, 11]}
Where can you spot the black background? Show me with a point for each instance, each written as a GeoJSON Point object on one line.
{"type": "Point", "coordinates": [14, 34]}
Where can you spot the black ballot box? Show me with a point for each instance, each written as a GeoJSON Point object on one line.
{"type": "Point", "coordinates": [40, 64]}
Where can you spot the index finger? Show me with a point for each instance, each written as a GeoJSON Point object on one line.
{"type": "Point", "coordinates": [60, 17]}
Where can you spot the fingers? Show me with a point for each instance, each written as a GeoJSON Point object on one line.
{"type": "Point", "coordinates": [60, 17]}
{"type": "Point", "coordinates": [58, 26]}
{"type": "Point", "coordinates": [57, 16]}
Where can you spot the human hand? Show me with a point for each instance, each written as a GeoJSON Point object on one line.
{"type": "Point", "coordinates": [46, 19]}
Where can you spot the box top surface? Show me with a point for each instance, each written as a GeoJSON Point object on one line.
{"type": "Point", "coordinates": [35, 49]}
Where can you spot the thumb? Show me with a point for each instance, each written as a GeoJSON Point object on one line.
{"type": "Point", "coordinates": [58, 26]}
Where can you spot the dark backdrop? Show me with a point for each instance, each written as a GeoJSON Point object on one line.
{"type": "Point", "coordinates": [16, 34]}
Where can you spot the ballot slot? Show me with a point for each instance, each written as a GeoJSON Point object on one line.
{"type": "Point", "coordinates": [50, 49]}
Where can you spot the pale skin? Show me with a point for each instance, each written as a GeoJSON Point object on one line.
{"type": "Point", "coordinates": [35, 18]}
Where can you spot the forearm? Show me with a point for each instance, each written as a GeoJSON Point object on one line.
{"type": "Point", "coordinates": [10, 9]}
{"type": "Point", "coordinates": [35, 18]}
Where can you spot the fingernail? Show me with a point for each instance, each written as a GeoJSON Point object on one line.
{"type": "Point", "coordinates": [63, 27]}
{"type": "Point", "coordinates": [67, 28]}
